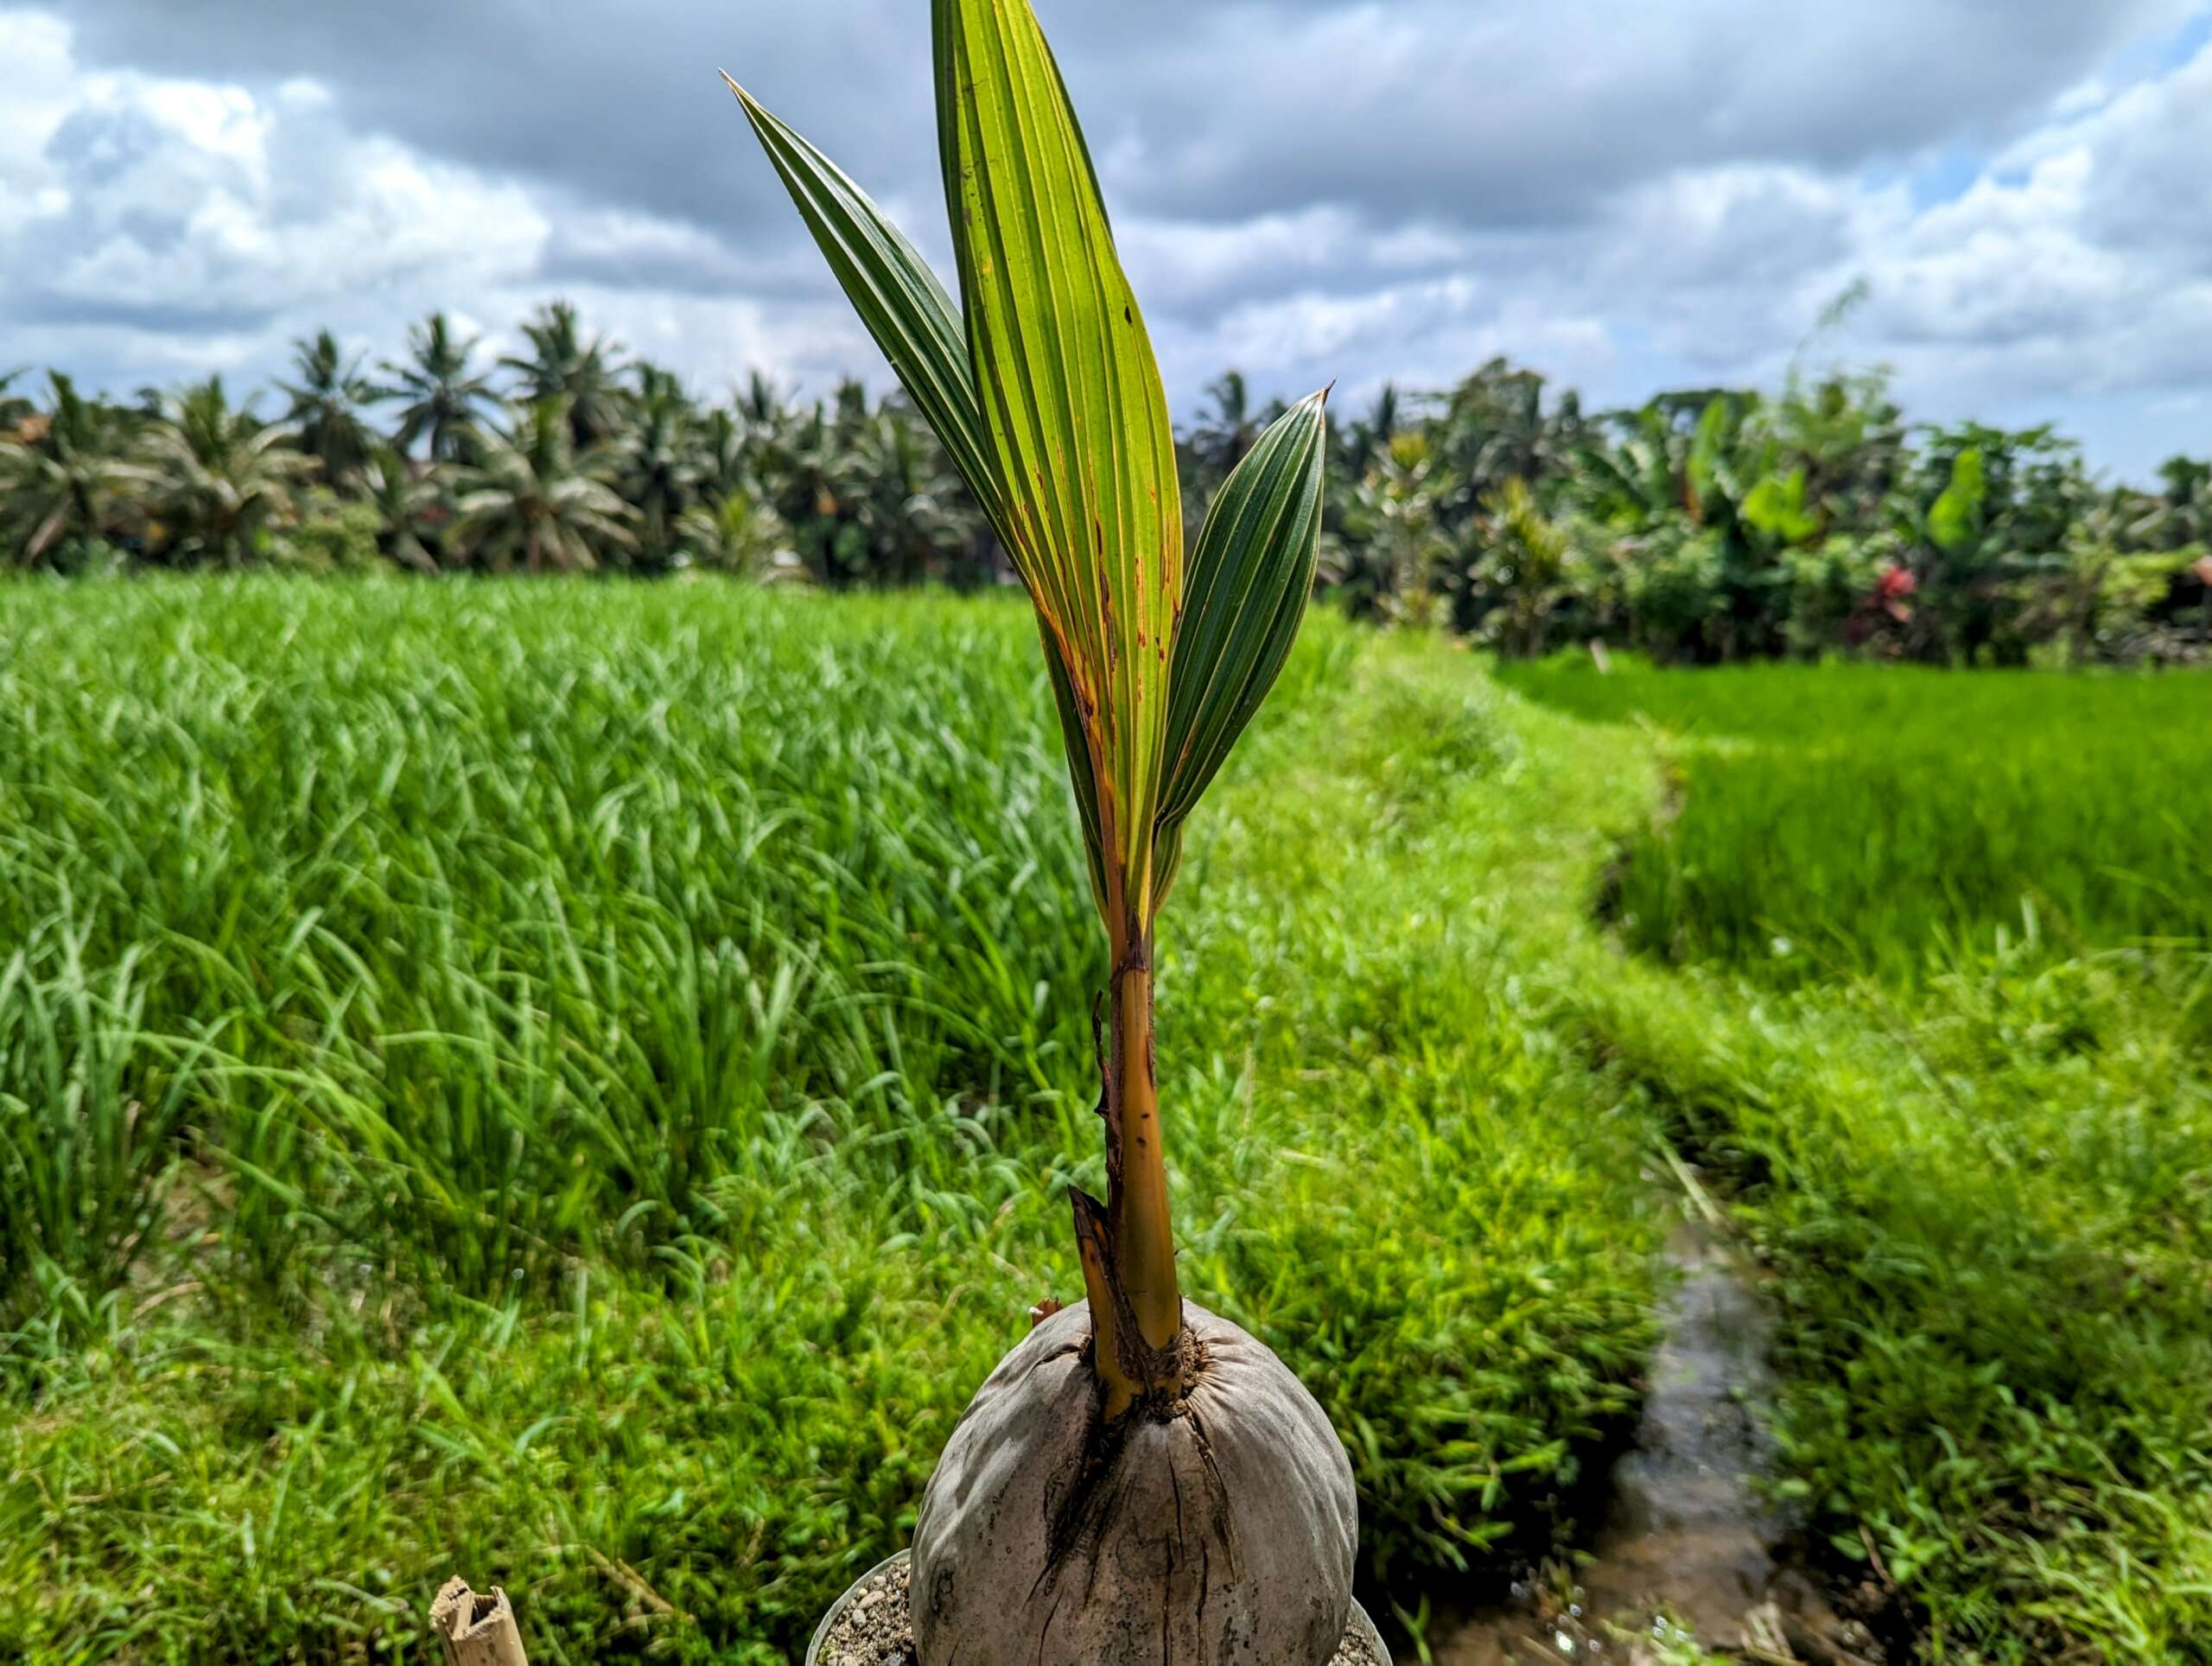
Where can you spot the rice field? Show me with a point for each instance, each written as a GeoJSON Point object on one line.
{"type": "Point", "coordinates": [1917, 967]}
{"type": "Point", "coordinates": [1855, 817]}
{"type": "Point", "coordinates": [574, 1084]}
{"type": "Point", "coordinates": [577, 1083]}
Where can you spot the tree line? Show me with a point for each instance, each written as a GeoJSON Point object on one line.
{"type": "Point", "coordinates": [1706, 525]}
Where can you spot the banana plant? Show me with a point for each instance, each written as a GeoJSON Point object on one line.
{"type": "Point", "coordinates": [1043, 387]}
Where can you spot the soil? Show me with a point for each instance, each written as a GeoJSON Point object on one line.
{"type": "Point", "coordinates": [874, 1628]}
{"type": "Point", "coordinates": [1691, 1551]}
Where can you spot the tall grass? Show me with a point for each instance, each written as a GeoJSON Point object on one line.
{"type": "Point", "coordinates": [528, 925]}
{"type": "Point", "coordinates": [1865, 817]}
{"type": "Point", "coordinates": [576, 1083]}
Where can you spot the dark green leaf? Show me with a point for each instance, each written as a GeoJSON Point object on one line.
{"type": "Point", "coordinates": [1245, 592]}
{"type": "Point", "coordinates": [894, 292]}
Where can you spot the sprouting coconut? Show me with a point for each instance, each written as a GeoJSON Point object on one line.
{"type": "Point", "coordinates": [1139, 1479]}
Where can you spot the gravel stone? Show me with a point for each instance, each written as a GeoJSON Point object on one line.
{"type": "Point", "coordinates": [875, 1629]}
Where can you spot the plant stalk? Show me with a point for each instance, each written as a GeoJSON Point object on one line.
{"type": "Point", "coordinates": [1127, 1243]}
{"type": "Point", "coordinates": [1143, 1237]}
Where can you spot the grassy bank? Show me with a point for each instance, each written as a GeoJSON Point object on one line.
{"type": "Point", "coordinates": [573, 1083]}
{"type": "Point", "coordinates": [1980, 1172]}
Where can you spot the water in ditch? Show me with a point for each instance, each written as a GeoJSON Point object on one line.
{"type": "Point", "coordinates": [1691, 1551]}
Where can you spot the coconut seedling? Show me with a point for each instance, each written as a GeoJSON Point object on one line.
{"type": "Point", "coordinates": [1139, 1479]}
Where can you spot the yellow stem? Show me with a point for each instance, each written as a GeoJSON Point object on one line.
{"type": "Point", "coordinates": [1144, 1241]}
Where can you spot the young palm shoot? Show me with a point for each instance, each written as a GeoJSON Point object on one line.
{"type": "Point", "coordinates": [1139, 1479]}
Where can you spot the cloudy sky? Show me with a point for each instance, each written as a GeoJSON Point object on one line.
{"type": "Point", "coordinates": [1627, 195]}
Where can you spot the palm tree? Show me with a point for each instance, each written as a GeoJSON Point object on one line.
{"type": "Point", "coordinates": [533, 501]}
{"type": "Point", "coordinates": [739, 534]}
{"type": "Point", "coordinates": [1385, 561]}
{"type": "Point", "coordinates": [584, 375]}
{"type": "Point", "coordinates": [224, 474]}
{"type": "Point", "coordinates": [410, 502]}
{"type": "Point", "coordinates": [1219, 441]}
{"type": "Point", "coordinates": [1369, 435]}
{"type": "Point", "coordinates": [1493, 429]}
{"type": "Point", "coordinates": [759, 405]}
{"type": "Point", "coordinates": [803, 467]}
{"type": "Point", "coordinates": [921, 522]}
{"type": "Point", "coordinates": [658, 472]}
{"type": "Point", "coordinates": [1525, 563]}
{"type": "Point", "coordinates": [2182, 512]}
{"type": "Point", "coordinates": [722, 452]}
{"type": "Point", "coordinates": [326, 408]}
{"type": "Point", "coordinates": [868, 497]}
{"type": "Point", "coordinates": [59, 472]}
{"type": "Point", "coordinates": [444, 400]}
{"type": "Point", "coordinates": [14, 408]}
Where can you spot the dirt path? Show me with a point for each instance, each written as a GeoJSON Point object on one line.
{"type": "Point", "coordinates": [1689, 1550]}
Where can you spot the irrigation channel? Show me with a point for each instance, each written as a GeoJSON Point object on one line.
{"type": "Point", "coordinates": [1691, 1551]}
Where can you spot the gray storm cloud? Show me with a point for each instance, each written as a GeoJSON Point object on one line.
{"type": "Point", "coordinates": [1621, 194]}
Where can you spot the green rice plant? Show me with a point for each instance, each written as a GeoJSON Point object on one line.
{"type": "Point", "coordinates": [527, 934]}
{"type": "Point", "coordinates": [1859, 818]}
{"type": "Point", "coordinates": [89, 1109]}
{"type": "Point", "coordinates": [1975, 1180]}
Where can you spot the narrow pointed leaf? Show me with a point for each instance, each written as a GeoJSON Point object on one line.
{"type": "Point", "coordinates": [894, 292]}
{"type": "Point", "coordinates": [912, 318]}
{"type": "Point", "coordinates": [1246, 588]}
{"type": "Point", "coordinates": [1072, 401]}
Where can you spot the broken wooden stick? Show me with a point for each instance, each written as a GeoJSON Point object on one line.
{"type": "Point", "coordinates": [476, 1630]}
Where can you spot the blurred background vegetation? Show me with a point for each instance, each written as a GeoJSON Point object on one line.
{"type": "Point", "coordinates": [1707, 526]}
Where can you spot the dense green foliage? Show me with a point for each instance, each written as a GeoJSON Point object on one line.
{"type": "Point", "coordinates": [1973, 1141]}
{"type": "Point", "coordinates": [1707, 526]}
{"type": "Point", "coordinates": [579, 1083]}
{"type": "Point", "coordinates": [1868, 819]}
{"type": "Point", "coordinates": [1987, 1220]}
{"type": "Point", "coordinates": [1986, 1207]}
{"type": "Point", "coordinates": [575, 1084]}
{"type": "Point", "coordinates": [1725, 524]}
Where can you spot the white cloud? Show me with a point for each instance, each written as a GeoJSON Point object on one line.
{"type": "Point", "coordinates": [161, 227]}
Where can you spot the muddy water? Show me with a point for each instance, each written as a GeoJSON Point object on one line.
{"type": "Point", "coordinates": [1689, 1547]}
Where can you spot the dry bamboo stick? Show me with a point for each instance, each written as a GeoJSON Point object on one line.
{"type": "Point", "coordinates": [476, 1630]}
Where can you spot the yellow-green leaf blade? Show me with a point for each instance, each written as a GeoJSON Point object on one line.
{"type": "Point", "coordinates": [1072, 401]}
{"type": "Point", "coordinates": [913, 320]}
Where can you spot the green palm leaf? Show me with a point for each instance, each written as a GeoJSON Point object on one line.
{"type": "Point", "coordinates": [1074, 461]}
{"type": "Point", "coordinates": [893, 290]}
{"type": "Point", "coordinates": [912, 318]}
{"type": "Point", "coordinates": [1245, 593]}
{"type": "Point", "coordinates": [1072, 400]}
